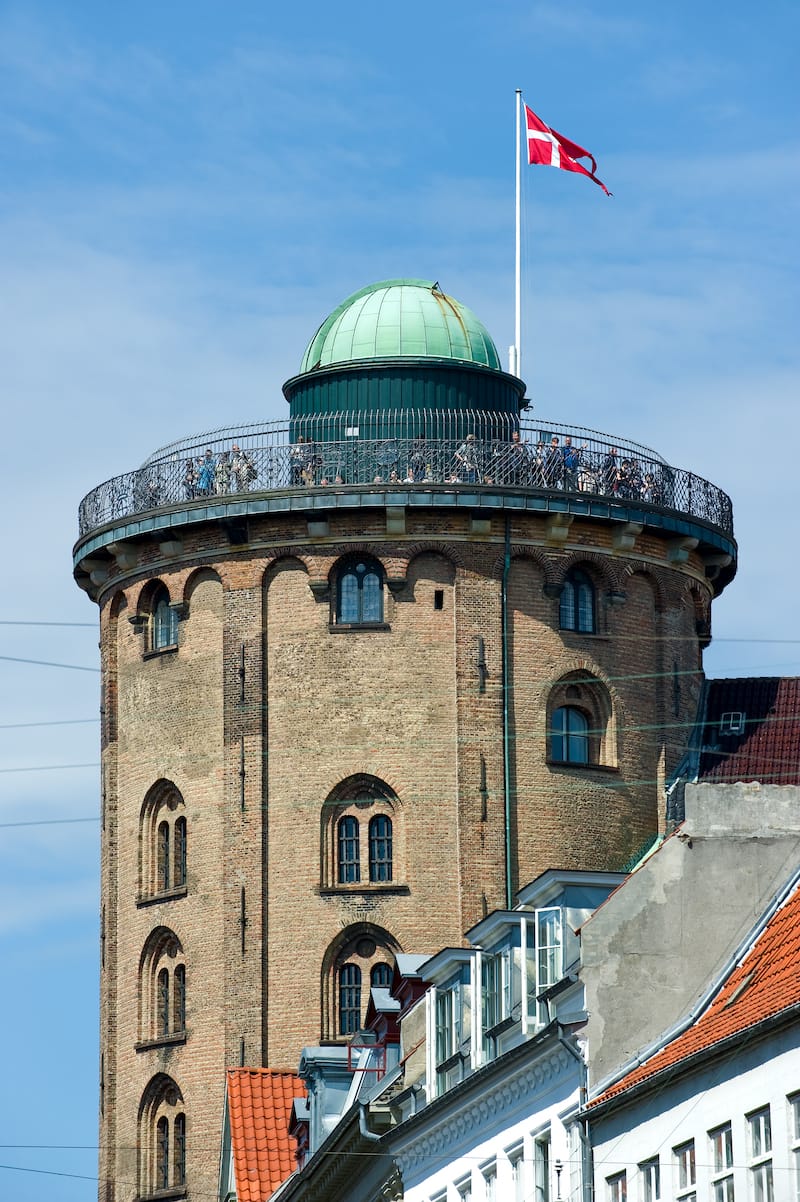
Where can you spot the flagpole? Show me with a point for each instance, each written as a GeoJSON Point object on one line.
{"type": "Point", "coordinates": [516, 366]}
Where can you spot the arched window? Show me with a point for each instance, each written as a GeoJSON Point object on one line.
{"type": "Point", "coordinates": [362, 835]}
{"type": "Point", "coordinates": [359, 593]}
{"type": "Point", "coordinates": [581, 722]}
{"type": "Point", "coordinates": [162, 1140]}
{"type": "Point", "coordinates": [380, 848]}
{"type": "Point", "coordinates": [162, 990]}
{"type": "Point", "coordinates": [163, 843]}
{"type": "Point", "coordinates": [349, 999]}
{"type": "Point", "coordinates": [179, 999]}
{"type": "Point", "coordinates": [163, 622]}
{"type": "Point", "coordinates": [163, 1007]}
{"type": "Point", "coordinates": [569, 736]}
{"type": "Point", "coordinates": [380, 976]}
{"type": "Point", "coordinates": [577, 605]}
{"type": "Point", "coordinates": [179, 1172]}
{"type": "Point", "coordinates": [349, 852]}
{"type": "Point", "coordinates": [359, 958]}
{"type": "Point", "coordinates": [162, 1153]}
{"type": "Point", "coordinates": [179, 874]}
{"type": "Point", "coordinates": [163, 857]}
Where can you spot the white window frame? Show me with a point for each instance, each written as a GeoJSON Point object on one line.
{"type": "Point", "coordinates": [517, 1183]}
{"type": "Point", "coordinates": [685, 1162]}
{"type": "Point", "coordinates": [617, 1187]}
{"type": "Point", "coordinates": [541, 1166]}
{"type": "Point", "coordinates": [650, 1171]}
{"type": "Point", "coordinates": [489, 1177]}
{"type": "Point", "coordinates": [759, 1154]}
{"type": "Point", "coordinates": [720, 1141]}
{"type": "Point", "coordinates": [793, 1102]}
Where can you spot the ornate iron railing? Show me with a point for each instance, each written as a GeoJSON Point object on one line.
{"type": "Point", "coordinates": [535, 455]}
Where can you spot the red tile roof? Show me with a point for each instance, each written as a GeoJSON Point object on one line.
{"type": "Point", "coordinates": [765, 983]}
{"type": "Point", "coordinates": [259, 1106]}
{"type": "Point", "coordinates": [768, 750]}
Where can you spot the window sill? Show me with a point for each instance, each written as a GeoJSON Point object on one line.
{"type": "Point", "coordinates": [572, 766]}
{"type": "Point", "coordinates": [154, 653]}
{"type": "Point", "coordinates": [504, 1025]}
{"type": "Point", "coordinates": [348, 627]}
{"type": "Point", "coordinates": [592, 635]}
{"type": "Point", "coordinates": [390, 887]}
{"type": "Point", "coordinates": [174, 1191]}
{"type": "Point", "coordinates": [164, 1041]}
{"type": "Point", "coordinates": [153, 899]}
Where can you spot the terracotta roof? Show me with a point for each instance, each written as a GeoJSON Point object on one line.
{"type": "Point", "coordinates": [259, 1105]}
{"type": "Point", "coordinates": [765, 983]}
{"type": "Point", "coordinates": [768, 749]}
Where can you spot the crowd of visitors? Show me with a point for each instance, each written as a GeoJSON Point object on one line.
{"type": "Point", "coordinates": [214, 475]}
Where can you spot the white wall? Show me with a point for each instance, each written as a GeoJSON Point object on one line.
{"type": "Point", "coordinates": [744, 1079]}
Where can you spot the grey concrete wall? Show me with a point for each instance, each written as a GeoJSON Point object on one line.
{"type": "Point", "coordinates": [650, 953]}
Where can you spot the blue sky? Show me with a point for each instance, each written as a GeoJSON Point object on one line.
{"type": "Point", "coordinates": [186, 190]}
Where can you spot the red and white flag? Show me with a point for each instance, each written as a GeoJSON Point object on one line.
{"type": "Point", "coordinates": [548, 147]}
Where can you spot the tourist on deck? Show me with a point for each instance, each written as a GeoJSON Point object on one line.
{"type": "Point", "coordinates": [189, 480]}
{"type": "Point", "coordinates": [466, 458]}
{"type": "Point", "coordinates": [205, 475]}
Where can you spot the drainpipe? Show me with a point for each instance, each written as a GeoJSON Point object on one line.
{"type": "Point", "coordinates": [506, 724]}
{"type": "Point", "coordinates": [587, 1173]}
{"type": "Point", "coordinates": [363, 1129]}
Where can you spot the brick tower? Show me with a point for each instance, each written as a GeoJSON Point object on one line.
{"type": "Point", "coordinates": [366, 672]}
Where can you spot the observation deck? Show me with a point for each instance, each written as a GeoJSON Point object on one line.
{"type": "Point", "coordinates": [322, 462]}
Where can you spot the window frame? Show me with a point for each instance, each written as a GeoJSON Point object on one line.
{"type": "Point", "coordinates": [380, 849]}
{"type": "Point", "coordinates": [685, 1161]}
{"type": "Point", "coordinates": [793, 1102]}
{"type": "Point", "coordinates": [573, 743]}
{"type": "Point", "coordinates": [720, 1139]}
{"type": "Point", "coordinates": [353, 610]}
{"type": "Point", "coordinates": [577, 604]}
{"type": "Point", "coordinates": [759, 1154]}
{"type": "Point", "coordinates": [650, 1171]}
{"type": "Point", "coordinates": [617, 1187]}
{"type": "Point", "coordinates": [348, 850]}
{"type": "Point", "coordinates": [349, 998]}
{"type": "Point", "coordinates": [162, 622]}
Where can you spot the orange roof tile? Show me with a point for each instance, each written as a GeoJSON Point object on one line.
{"type": "Point", "coordinates": [765, 983]}
{"type": "Point", "coordinates": [259, 1106]}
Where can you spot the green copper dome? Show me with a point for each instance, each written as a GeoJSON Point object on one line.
{"type": "Point", "coordinates": [400, 319]}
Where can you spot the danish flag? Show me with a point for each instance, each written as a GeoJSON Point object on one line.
{"type": "Point", "coordinates": [548, 147]}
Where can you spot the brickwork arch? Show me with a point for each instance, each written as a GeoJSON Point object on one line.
{"type": "Point", "coordinates": [161, 1139]}
{"type": "Point", "coordinates": [363, 945]}
{"type": "Point", "coordinates": [200, 576]}
{"type": "Point", "coordinates": [603, 571]}
{"type": "Point", "coordinates": [162, 987]}
{"type": "Point", "coordinates": [362, 836]}
{"type": "Point", "coordinates": [448, 551]}
{"type": "Point", "coordinates": [584, 693]}
{"type": "Point", "coordinates": [653, 578]}
{"type": "Point", "coordinates": [163, 841]}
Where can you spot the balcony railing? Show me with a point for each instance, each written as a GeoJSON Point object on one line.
{"type": "Point", "coordinates": [538, 456]}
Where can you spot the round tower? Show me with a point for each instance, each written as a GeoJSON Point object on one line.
{"type": "Point", "coordinates": [366, 672]}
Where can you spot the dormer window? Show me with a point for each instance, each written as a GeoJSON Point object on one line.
{"type": "Point", "coordinates": [453, 1028]}
{"type": "Point", "coordinates": [732, 723]}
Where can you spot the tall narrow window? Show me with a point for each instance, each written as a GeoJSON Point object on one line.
{"type": "Point", "coordinates": [179, 998]}
{"type": "Point", "coordinates": [179, 1128]}
{"type": "Point", "coordinates": [760, 1132]}
{"type": "Point", "coordinates": [577, 605]}
{"type": "Point", "coordinates": [651, 1180]}
{"type": "Point", "coordinates": [617, 1188]}
{"type": "Point", "coordinates": [180, 853]}
{"type": "Point", "coordinates": [162, 1153]}
{"type": "Point", "coordinates": [794, 1141]}
{"type": "Point", "coordinates": [163, 1002]}
{"type": "Point", "coordinates": [569, 736]}
{"type": "Point", "coordinates": [380, 848]}
{"type": "Point", "coordinates": [349, 855]}
{"type": "Point", "coordinates": [685, 1172]}
{"type": "Point", "coordinates": [349, 999]}
{"type": "Point", "coordinates": [163, 857]}
{"type": "Point", "coordinates": [163, 622]}
{"type": "Point", "coordinates": [541, 1168]}
{"type": "Point", "coordinates": [721, 1142]}
{"type": "Point", "coordinates": [360, 593]}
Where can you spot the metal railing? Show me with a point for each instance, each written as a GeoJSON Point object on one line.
{"type": "Point", "coordinates": [540, 456]}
